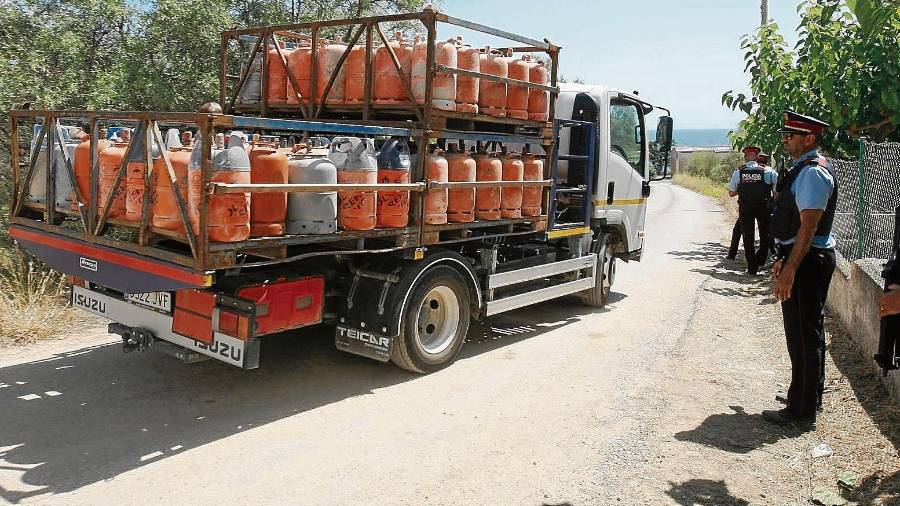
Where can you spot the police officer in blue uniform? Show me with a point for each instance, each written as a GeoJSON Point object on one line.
{"type": "Point", "coordinates": [753, 185]}
{"type": "Point", "coordinates": [801, 225]}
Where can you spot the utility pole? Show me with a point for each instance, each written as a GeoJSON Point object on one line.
{"type": "Point", "coordinates": [764, 12]}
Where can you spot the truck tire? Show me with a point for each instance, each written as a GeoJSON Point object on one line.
{"type": "Point", "coordinates": [435, 322]}
{"type": "Point", "coordinates": [604, 274]}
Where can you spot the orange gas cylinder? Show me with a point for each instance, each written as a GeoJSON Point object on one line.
{"type": "Point", "coordinates": [491, 94]}
{"type": "Point", "coordinates": [277, 77]}
{"type": "Point", "coordinates": [134, 180]}
{"type": "Point", "coordinates": [229, 214]}
{"type": "Point", "coordinates": [355, 82]}
{"type": "Point", "coordinates": [108, 162]}
{"type": "Point", "coordinates": [393, 168]}
{"type": "Point", "coordinates": [487, 198]}
{"type": "Point", "coordinates": [533, 170]}
{"type": "Point", "coordinates": [299, 64]}
{"type": "Point", "coordinates": [327, 59]}
{"type": "Point", "coordinates": [134, 190]}
{"type": "Point", "coordinates": [517, 96]}
{"type": "Point", "coordinates": [511, 196]}
{"type": "Point", "coordinates": [443, 85]}
{"type": "Point", "coordinates": [355, 164]}
{"type": "Point", "coordinates": [82, 167]}
{"type": "Point", "coordinates": [467, 58]}
{"type": "Point", "coordinates": [436, 199]}
{"type": "Point", "coordinates": [538, 100]}
{"type": "Point", "coordinates": [267, 210]}
{"type": "Point", "coordinates": [389, 88]}
{"type": "Point", "coordinates": [166, 213]}
{"type": "Point", "coordinates": [460, 201]}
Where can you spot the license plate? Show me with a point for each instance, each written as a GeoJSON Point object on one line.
{"type": "Point", "coordinates": [161, 301]}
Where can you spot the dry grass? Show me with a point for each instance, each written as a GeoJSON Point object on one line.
{"type": "Point", "coordinates": [33, 299]}
{"type": "Point", "coordinates": [862, 424]}
{"type": "Point", "coordinates": [700, 184]}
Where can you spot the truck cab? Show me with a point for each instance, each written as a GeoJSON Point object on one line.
{"type": "Point", "coordinates": [621, 168]}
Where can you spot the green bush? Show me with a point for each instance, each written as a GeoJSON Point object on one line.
{"type": "Point", "coordinates": [714, 167]}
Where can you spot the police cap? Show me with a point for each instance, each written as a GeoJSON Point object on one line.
{"type": "Point", "coordinates": [751, 149]}
{"type": "Point", "coordinates": [795, 123]}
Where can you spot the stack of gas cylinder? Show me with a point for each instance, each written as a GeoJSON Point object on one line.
{"type": "Point", "coordinates": [449, 92]}
{"type": "Point", "coordinates": [354, 160]}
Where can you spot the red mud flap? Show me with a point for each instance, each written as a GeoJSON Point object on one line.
{"type": "Point", "coordinates": [105, 266]}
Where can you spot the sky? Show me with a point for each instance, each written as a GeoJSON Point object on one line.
{"type": "Point", "coordinates": [681, 54]}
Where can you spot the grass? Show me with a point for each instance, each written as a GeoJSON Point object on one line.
{"type": "Point", "coordinates": [700, 184]}
{"type": "Point", "coordinates": [33, 299]}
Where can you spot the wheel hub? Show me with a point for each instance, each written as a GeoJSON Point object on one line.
{"type": "Point", "coordinates": [438, 320]}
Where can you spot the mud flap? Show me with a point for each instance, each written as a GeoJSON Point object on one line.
{"type": "Point", "coordinates": [360, 342]}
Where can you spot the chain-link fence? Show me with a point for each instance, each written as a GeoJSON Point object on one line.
{"type": "Point", "coordinates": [869, 191]}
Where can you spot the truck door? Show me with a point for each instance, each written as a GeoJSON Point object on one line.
{"type": "Point", "coordinates": [627, 167]}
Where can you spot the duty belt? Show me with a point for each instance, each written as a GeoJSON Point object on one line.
{"type": "Point", "coordinates": [783, 251]}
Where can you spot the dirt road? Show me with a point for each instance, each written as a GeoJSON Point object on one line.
{"type": "Point", "coordinates": [654, 400]}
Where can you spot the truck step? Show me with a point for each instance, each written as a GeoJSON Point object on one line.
{"type": "Point", "coordinates": [506, 279]}
{"type": "Point", "coordinates": [528, 298]}
{"type": "Point", "coordinates": [541, 271]}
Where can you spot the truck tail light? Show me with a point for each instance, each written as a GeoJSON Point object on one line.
{"type": "Point", "coordinates": [286, 304]}
{"type": "Point", "coordinates": [76, 281]}
{"type": "Point", "coordinates": [193, 314]}
{"type": "Point", "coordinates": [235, 325]}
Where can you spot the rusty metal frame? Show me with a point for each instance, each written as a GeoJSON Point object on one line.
{"type": "Point", "coordinates": [423, 111]}
{"type": "Point", "coordinates": [206, 255]}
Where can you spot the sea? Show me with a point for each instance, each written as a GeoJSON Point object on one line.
{"type": "Point", "coordinates": [699, 137]}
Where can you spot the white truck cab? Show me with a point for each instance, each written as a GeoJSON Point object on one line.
{"type": "Point", "coordinates": [621, 162]}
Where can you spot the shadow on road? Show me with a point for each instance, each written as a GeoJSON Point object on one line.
{"type": "Point", "coordinates": [718, 267]}
{"type": "Point", "coordinates": [698, 492]}
{"type": "Point", "coordinates": [876, 489]}
{"type": "Point", "coordinates": [736, 432]}
{"type": "Point", "coordinates": [91, 414]}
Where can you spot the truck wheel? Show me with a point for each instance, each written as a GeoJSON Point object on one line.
{"type": "Point", "coordinates": [436, 322]}
{"type": "Point", "coordinates": [604, 275]}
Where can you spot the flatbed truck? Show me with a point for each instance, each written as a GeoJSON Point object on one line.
{"type": "Point", "coordinates": [405, 295]}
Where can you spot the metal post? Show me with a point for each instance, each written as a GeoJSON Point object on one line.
{"type": "Point", "coordinates": [223, 72]}
{"type": "Point", "coordinates": [14, 158]}
{"type": "Point", "coordinates": [207, 131]}
{"type": "Point", "coordinates": [50, 188]}
{"type": "Point", "coordinates": [861, 203]}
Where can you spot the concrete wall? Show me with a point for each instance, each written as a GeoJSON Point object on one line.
{"type": "Point", "coordinates": [853, 299]}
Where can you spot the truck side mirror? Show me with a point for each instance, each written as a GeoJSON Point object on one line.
{"type": "Point", "coordinates": [664, 133]}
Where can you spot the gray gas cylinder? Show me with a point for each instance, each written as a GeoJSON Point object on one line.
{"type": "Point", "coordinates": [37, 188]}
{"type": "Point", "coordinates": [251, 93]}
{"type": "Point", "coordinates": [342, 148]}
{"type": "Point", "coordinates": [311, 213]}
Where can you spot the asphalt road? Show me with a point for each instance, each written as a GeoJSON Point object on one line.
{"type": "Point", "coordinates": [538, 409]}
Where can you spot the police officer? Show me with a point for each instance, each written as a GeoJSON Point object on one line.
{"type": "Point", "coordinates": [764, 160]}
{"type": "Point", "coordinates": [753, 185]}
{"type": "Point", "coordinates": [801, 225]}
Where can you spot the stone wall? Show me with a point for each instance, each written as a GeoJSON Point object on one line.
{"type": "Point", "coordinates": [853, 299]}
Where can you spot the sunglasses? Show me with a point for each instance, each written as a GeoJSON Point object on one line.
{"type": "Point", "coordinates": [789, 136]}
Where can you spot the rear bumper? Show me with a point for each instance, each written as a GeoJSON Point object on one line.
{"type": "Point", "coordinates": [105, 266]}
{"type": "Point", "coordinates": [243, 354]}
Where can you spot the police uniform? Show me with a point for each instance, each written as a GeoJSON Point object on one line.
{"type": "Point", "coordinates": [808, 184]}
{"type": "Point", "coordinates": [763, 159]}
{"type": "Point", "coordinates": [753, 184]}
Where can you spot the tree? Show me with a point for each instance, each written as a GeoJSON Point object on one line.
{"type": "Point", "coordinates": [843, 69]}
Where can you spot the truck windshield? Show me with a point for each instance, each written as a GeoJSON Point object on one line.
{"type": "Point", "coordinates": [626, 133]}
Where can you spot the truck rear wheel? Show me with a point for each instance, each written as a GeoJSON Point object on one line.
{"type": "Point", "coordinates": [435, 322]}
{"type": "Point", "coordinates": [604, 275]}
